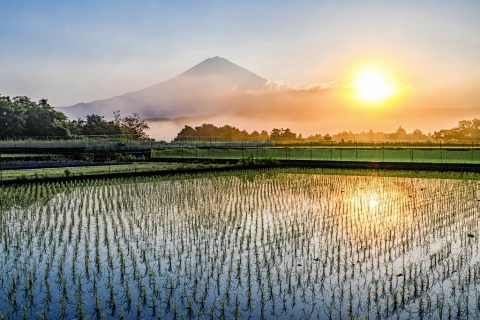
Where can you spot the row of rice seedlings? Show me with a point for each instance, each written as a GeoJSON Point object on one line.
{"type": "Point", "coordinates": [263, 245]}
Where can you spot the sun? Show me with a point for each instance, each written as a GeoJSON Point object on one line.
{"type": "Point", "coordinates": [372, 86]}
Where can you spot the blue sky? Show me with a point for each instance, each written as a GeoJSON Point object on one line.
{"type": "Point", "coordinates": [80, 51]}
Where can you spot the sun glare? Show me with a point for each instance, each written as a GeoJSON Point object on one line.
{"type": "Point", "coordinates": [372, 86]}
{"type": "Point", "coordinates": [372, 203]}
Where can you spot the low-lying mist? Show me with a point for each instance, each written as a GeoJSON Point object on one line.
{"type": "Point", "coordinates": [313, 121]}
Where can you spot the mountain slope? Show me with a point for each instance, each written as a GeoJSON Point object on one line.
{"type": "Point", "coordinates": [208, 87]}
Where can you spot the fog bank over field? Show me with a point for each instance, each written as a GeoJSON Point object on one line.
{"type": "Point", "coordinates": [313, 121]}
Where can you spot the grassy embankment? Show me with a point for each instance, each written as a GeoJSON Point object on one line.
{"type": "Point", "coordinates": [42, 173]}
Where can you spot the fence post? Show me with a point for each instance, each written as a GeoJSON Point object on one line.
{"type": "Point", "coordinates": [356, 151]}
{"type": "Point", "coordinates": [411, 148]}
{"type": "Point", "coordinates": [472, 153]}
{"type": "Point", "coordinates": [441, 155]}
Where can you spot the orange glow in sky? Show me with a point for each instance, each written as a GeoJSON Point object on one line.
{"type": "Point", "coordinates": [372, 86]}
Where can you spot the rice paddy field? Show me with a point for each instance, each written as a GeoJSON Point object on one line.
{"type": "Point", "coordinates": [253, 244]}
{"type": "Point", "coordinates": [400, 154]}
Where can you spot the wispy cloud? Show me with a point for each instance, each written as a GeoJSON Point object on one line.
{"type": "Point", "coordinates": [277, 86]}
{"type": "Point", "coordinates": [346, 83]}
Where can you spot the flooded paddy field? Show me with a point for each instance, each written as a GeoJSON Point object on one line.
{"type": "Point", "coordinates": [286, 244]}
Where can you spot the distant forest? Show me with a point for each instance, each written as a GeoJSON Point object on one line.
{"type": "Point", "coordinates": [466, 130]}
{"type": "Point", "coordinates": [20, 116]}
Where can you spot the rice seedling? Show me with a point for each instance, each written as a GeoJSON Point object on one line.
{"type": "Point", "coordinates": [282, 243]}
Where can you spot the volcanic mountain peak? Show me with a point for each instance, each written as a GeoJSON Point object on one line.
{"type": "Point", "coordinates": [220, 69]}
{"type": "Point", "coordinates": [213, 86]}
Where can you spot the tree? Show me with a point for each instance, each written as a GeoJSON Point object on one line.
{"type": "Point", "coordinates": [255, 136]}
{"type": "Point", "coordinates": [187, 131]}
{"type": "Point", "coordinates": [264, 135]}
{"type": "Point", "coordinates": [21, 116]}
{"type": "Point", "coordinates": [282, 135]}
{"type": "Point", "coordinates": [132, 125]}
{"type": "Point", "coordinates": [96, 125]}
{"type": "Point", "coordinates": [275, 134]}
{"type": "Point", "coordinates": [315, 137]}
{"type": "Point", "coordinates": [466, 130]}
{"type": "Point", "coordinates": [400, 134]}
{"type": "Point", "coordinates": [288, 135]}
{"type": "Point", "coordinates": [43, 120]}
{"type": "Point", "coordinates": [417, 134]}
{"type": "Point", "coordinates": [12, 117]}
{"type": "Point", "coordinates": [209, 131]}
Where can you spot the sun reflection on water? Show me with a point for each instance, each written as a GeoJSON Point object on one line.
{"type": "Point", "coordinates": [374, 207]}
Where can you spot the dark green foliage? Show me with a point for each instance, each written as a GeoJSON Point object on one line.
{"type": "Point", "coordinates": [283, 135]}
{"type": "Point", "coordinates": [251, 161]}
{"type": "Point", "coordinates": [125, 158]}
{"type": "Point", "coordinates": [21, 116]}
{"type": "Point", "coordinates": [43, 120]}
{"type": "Point", "coordinates": [207, 132]}
{"type": "Point", "coordinates": [132, 125]}
{"type": "Point", "coordinates": [400, 134]}
{"type": "Point", "coordinates": [94, 125]}
{"type": "Point", "coordinates": [12, 116]}
{"type": "Point", "coordinates": [466, 130]}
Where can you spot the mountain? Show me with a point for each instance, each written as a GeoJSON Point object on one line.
{"type": "Point", "coordinates": [212, 86]}
{"type": "Point", "coordinates": [220, 92]}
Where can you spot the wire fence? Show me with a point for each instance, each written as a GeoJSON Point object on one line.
{"type": "Point", "coordinates": [208, 141]}
{"type": "Point", "coordinates": [222, 148]}
{"type": "Point", "coordinates": [85, 142]}
{"type": "Point", "coordinates": [118, 141]}
{"type": "Point", "coordinates": [429, 154]}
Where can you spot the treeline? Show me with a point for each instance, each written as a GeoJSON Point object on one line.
{"type": "Point", "coordinates": [226, 133]}
{"type": "Point", "coordinates": [466, 130]}
{"type": "Point", "coordinates": [229, 133]}
{"type": "Point", "coordinates": [209, 131]}
{"type": "Point", "coordinates": [20, 116]}
{"type": "Point", "coordinates": [400, 134]}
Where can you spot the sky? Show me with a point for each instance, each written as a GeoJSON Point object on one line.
{"type": "Point", "coordinates": [81, 51]}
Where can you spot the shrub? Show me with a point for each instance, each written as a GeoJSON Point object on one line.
{"type": "Point", "coordinates": [251, 161]}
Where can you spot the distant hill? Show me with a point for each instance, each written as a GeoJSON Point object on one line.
{"type": "Point", "coordinates": [208, 87]}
